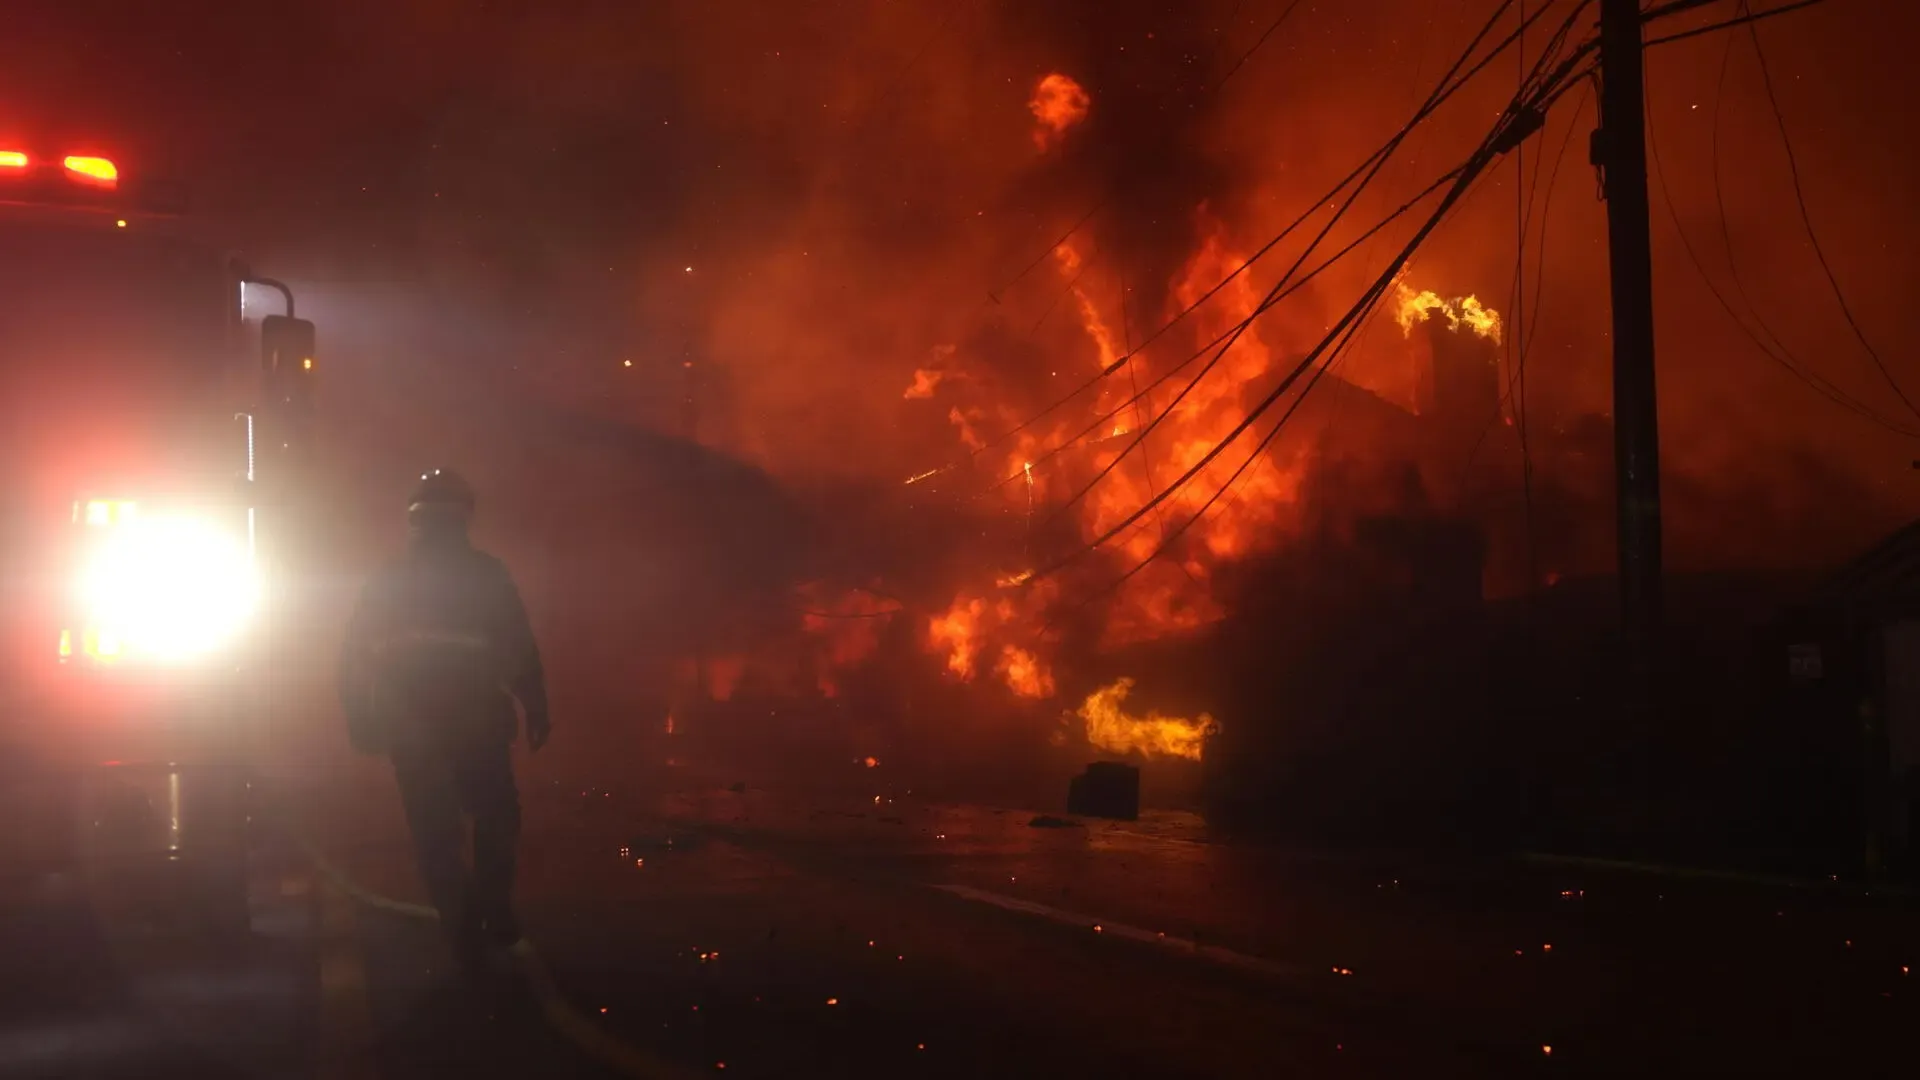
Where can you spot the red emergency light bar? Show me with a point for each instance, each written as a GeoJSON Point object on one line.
{"type": "Point", "coordinates": [93, 170]}
{"type": "Point", "coordinates": [85, 167]}
{"type": "Point", "coordinates": [82, 181]}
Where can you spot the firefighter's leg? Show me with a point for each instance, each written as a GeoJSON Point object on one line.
{"type": "Point", "coordinates": [429, 792]}
{"type": "Point", "coordinates": [487, 788]}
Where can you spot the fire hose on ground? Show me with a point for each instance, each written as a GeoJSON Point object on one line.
{"type": "Point", "coordinates": [559, 1013]}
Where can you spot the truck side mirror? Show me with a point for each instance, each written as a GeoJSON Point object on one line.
{"type": "Point", "coordinates": [287, 377]}
{"type": "Point", "coordinates": [286, 361]}
{"type": "Point", "coordinates": [286, 345]}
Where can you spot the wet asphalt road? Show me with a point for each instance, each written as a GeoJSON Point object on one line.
{"type": "Point", "coordinates": [702, 931]}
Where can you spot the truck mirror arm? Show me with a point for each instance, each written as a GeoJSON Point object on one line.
{"type": "Point", "coordinates": [270, 283]}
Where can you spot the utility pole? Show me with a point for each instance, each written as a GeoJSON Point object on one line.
{"type": "Point", "coordinates": [1621, 150]}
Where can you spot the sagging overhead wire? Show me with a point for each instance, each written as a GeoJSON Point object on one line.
{"type": "Point", "coordinates": [1483, 156]}
{"type": "Point", "coordinates": [1677, 7]}
{"type": "Point", "coordinates": [1806, 219]}
{"type": "Point", "coordinates": [1448, 86]}
{"type": "Point", "coordinates": [1168, 539]}
{"type": "Point", "coordinates": [1564, 78]}
{"type": "Point", "coordinates": [1525, 335]}
{"type": "Point", "coordinates": [1280, 19]}
{"type": "Point", "coordinates": [1520, 120]}
{"type": "Point", "coordinates": [1770, 346]}
{"type": "Point", "coordinates": [1371, 168]}
{"type": "Point", "coordinates": [1369, 304]}
{"type": "Point", "coordinates": [1100, 422]}
{"type": "Point", "coordinates": [1748, 19]}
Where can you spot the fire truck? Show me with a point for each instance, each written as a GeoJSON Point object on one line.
{"type": "Point", "coordinates": [153, 439]}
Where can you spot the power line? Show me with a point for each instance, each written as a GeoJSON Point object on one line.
{"type": "Point", "coordinates": [1676, 7]}
{"type": "Point", "coordinates": [1723, 219]}
{"type": "Point", "coordinates": [1482, 157]}
{"type": "Point", "coordinates": [1085, 266]}
{"type": "Point", "coordinates": [1519, 121]}
{"type": "Point", "coordinates": [1257, 454]}
{"type": "Point", "coordinates": [1100, 422]}
{"type": "Point", "coordinates": [1248, 55]}
{"type": "Point", "coordinates": [1508, 132]}
{"type": "Point", "coordinates": [1775, 350]}
{"type": "Point", "coordinates": [1350, 325]}
{"type": "Point", "coordinates": [1126, 341]}
{"type": "Point", "coordinates": [1745, 20]}
{"type": "Point", "coordinates": [1523, 214]}
{"type": "Point", "coordinates": [1529, 333]}
{"type": "Point", "coordinates": [994, 295]}
{"type": "Point", "coordinates": [1442, 93]}
{"type": "Point", "coordinates": [1806, 219]}
{"type": "Point", "coordinates": [1525, 332]}
{"type": "Point", "coordinates": [1379, 162]}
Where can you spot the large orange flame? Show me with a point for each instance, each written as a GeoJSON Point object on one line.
{"type": "Point", "coordinates": [1173, 550]}
{"type": "Point", "coordinates": [1024, 673]}
{"type": "Point", "coordinates": [957, 633]}
{"type": "Point", "coordinates": [1111, 727]}
{"type": "Point", "coordinates": [1466, 311]}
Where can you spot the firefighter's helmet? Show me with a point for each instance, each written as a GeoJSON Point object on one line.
{"type": "Point", "coordinates": [441, 499]}
{"type": "Point", "coordinates": [442, 487]}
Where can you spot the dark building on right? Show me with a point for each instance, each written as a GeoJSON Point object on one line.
{"type": "Point", "coordinates": [1845, 661]}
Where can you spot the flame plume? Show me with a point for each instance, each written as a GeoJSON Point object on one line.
{"type": "Point", "coordinates": [1058, 103]}
{"type": "Point", "coordinates": [1111, 727]}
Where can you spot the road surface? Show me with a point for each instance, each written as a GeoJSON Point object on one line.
{"type": "Point", "coordinates": [682, 928]}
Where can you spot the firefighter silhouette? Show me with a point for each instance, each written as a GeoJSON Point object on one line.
{"type": "Point", "coordinates": [438, 652]}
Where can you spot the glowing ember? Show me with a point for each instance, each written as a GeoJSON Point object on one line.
{"type": "Point", "coordinates": [924, 384]}
{"type": "Point", "coordinates": [1110, 727]}
{"type": "Point", "coordinates": [956, 632]}
{"type": "Point", "coordinates": [870, 762]}
{"type": "Point", "coordinates": [1058, 103]}
{"type": "Point", "coordinates": [723, 676]}
{"type": "Point", "coordinates": [1025, 674]}
{"type": "Point", "coordinates": [963, 421]}
{"type": "Point", "coordinates": [845, 633]}
{"type": "Point", "coordinates": [1465, 311]}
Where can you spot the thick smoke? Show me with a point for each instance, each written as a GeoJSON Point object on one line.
{"type": "Point", "coordinates": [820, 238]}
{"type": "Point", "coordinates": [925, 197]}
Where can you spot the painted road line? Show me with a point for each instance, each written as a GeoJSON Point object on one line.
{"type": "Point", "coordinates": [1109, 928]}
{"type": "Point", "coordinates": [1735, 877]}
{"type": "Point", "coordinates": [346, 1019]}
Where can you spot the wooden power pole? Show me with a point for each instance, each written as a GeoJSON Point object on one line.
{"type": "Point", "coordinates": [1621, 150]}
